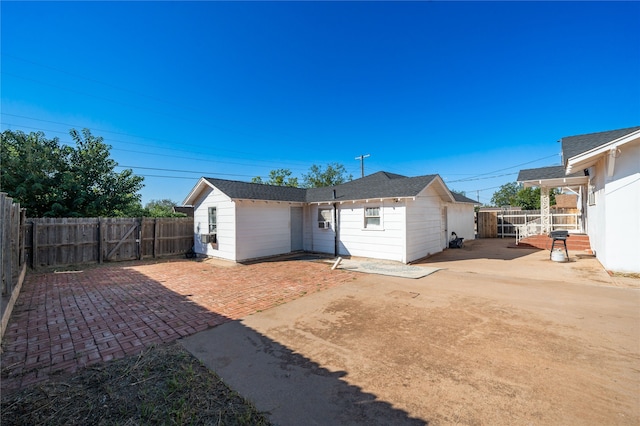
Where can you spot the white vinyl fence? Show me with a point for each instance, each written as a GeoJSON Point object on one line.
{"type": "Point", "coordinates": [520, 224]}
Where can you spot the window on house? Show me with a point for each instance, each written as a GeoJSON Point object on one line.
{"type": "Point", "coordinates": [371, 217]}
{"type": "Point", "coordinates": [591, 197]}
{"type": "Point", "coordinates": [324, 218]}
{"type": "Point", "coordinates": [213, 223]}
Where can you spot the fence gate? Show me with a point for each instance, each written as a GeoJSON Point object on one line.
{"type": "Point", "coordinates": [487, 223]}
{"type": "Point", "coordinates": [121, 239]}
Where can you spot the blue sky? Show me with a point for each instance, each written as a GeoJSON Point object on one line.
{"type": "Point", "coordinates": [473, 91]}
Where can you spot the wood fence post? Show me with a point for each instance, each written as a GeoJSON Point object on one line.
{"type": "Point", "coordinates": [140, 221]}
{"type": "Point", "coordinates": [5, 227]}
{"type": "Point", "coordinates": [8, 240]}
{"type": "Point", "coordinates": [23, 235]}
{"type": "Point", "coordinates": [100, 240]}
{"type": "Point", "coordinates": [156, 226]}
{"type": "Point", "coordinates": [34, 245]}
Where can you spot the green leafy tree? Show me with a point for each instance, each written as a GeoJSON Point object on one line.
{"type": "Point", "coordinates": [161, 208]}
{"type": "Point", "coordinates": [506, 195]}
{"type": "Point", "coordinates": [529, 198]}
{"type": "Point", "coordinates": [333, 174]}
{"type": "Point", "coordinates": [278, 177]}
{"type": "Point", "coordinates": [513, 194]}
{"type": "Point", "coordinates": [50, 179]}
{"type": "Point", "coordinates": [30, 169]}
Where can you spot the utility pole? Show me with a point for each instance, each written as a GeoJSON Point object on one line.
{"type": "Point", "coordinates": [361, 158]}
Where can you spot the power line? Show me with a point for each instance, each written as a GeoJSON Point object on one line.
{"type": "Point", "coordinates": [506, 168]}
{"type": "Point", "coordinates": [482, 178]}
{"type": "Point", "coordinates": [184, 171]}
{"type": "Point", "coordinates": [170, 103]}
{"type": "Point", "coordinates": [269, 162]}
{"type": "Point", "coordinates": [170, 177]}
{"type": "Point", "coordinates": [124, 89]}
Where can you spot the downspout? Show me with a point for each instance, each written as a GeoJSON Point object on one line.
{"type": "Point", "coordinates": [335, 225]}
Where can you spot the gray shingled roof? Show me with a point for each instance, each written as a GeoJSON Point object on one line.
{"type": "Point", "coordinates": [576, 145]}
{"type": "Point", "coordinates": [551, 172]}
{"type": "Point", "coordinates": [377, 185]}
{"type": "Point", "coordinates": [463, 198]}
{"type": "Point", "coordinates": [258, 191]}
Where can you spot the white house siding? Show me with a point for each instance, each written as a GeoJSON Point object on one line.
{"type": "Point", "coordinates": [385, 242]}
{"type": "Point", "coordinates": [424, 225]}
{"type": "Point", "coordinates": [263, 229]}
{"type": "Point", "coordinates": [614, 220]}
{"type": "Point", "coordinates": [225, 220]}
{"type": "Point", "coordinates": [460, 218]}
{"type": "Point", "coordinates": [317, 239]}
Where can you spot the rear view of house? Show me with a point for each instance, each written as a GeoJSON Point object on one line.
{"type": "Point", "coordinates": [383, 215]}
{"type": "Point", "coordinates": [603, 169]}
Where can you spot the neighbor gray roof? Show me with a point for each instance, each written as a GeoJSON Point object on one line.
{"type": "Point", "coordinates": [463, 198]}
{"type": "Point", "coordinates": [576, 145]}
{"type": "Point", "coordinates": [258, 191]}
{"type": "Point", "coordinates": [377, 185]}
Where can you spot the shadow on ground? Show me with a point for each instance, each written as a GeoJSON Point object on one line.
{"type": "Point", "coordinates": [64, 322]}
{"type": "Point", "coordinates": [290, 387]}
{"type": "Point", "coordinates": [485, 248]}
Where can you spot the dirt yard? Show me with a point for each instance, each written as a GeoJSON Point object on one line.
{"type": "Point", "coordinates": [491, 339]}
{"type": "Point", "coordinates": [497, 336]}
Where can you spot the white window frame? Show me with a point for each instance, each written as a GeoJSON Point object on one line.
{"type": "Point", "coordinates": [213, 227]}
{"type": "Point", "coordinates": [325, 216]}
{"type": "Point", "coordinates": [212, 236]}
{"type": "Point", "coordinates": [367, 214]}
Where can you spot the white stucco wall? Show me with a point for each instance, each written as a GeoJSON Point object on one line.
{"type": "Point", "coordinates": [424, 234]}
{"type": "Point", "coordinates": [614, 221]}
{"type": "Point", "coordinates": [225, 221]}
{"type": "Point", "coordinates": [262, 229]}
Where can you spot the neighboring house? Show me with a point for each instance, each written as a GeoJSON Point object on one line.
{"type": "Point", "coordinates": [188, 210]}
{"type": "Point", "coordinates": [603, 170]}
{"type": "Point", "coordinates": [383, 215]}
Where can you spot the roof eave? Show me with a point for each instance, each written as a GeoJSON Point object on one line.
{"type": "Point", "coordinates": [555, 182]}
{"type": "Point", "coordinates": [446, 194]}
{"type": "Point", "coordinates": [589, 158]}
{"type": "Point", "coordinates": [363, 200]}
{"type": "Point", "coordinates": [195, 191]}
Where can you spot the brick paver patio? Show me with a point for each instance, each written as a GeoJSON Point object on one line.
{"type": "Point", "coordinates": [69, 320]}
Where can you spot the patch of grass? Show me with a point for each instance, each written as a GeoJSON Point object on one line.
{"type": "Point", "coordinates": [626, 275]}
{"type": "Point", "coordinates": [163, 385]}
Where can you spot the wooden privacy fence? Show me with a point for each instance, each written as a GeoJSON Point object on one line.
{"type": "Point", "coordinates": [487, 225]}
{"type": "Point", "coordinates": [73, 241]}
{"type": "Point", "coordinates": [12, 255]}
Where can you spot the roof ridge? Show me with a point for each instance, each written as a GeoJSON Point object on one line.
{"type": "Point", "coordinates": [242, 181]}
{"type": "Point", "coordinates": [606, 131]}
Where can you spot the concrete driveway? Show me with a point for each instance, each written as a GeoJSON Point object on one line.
{"type": "Point", "coordinates": [498, 336]}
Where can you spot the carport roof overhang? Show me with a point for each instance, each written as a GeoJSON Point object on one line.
{"type": "Point", "coordinates": [556, 182]}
